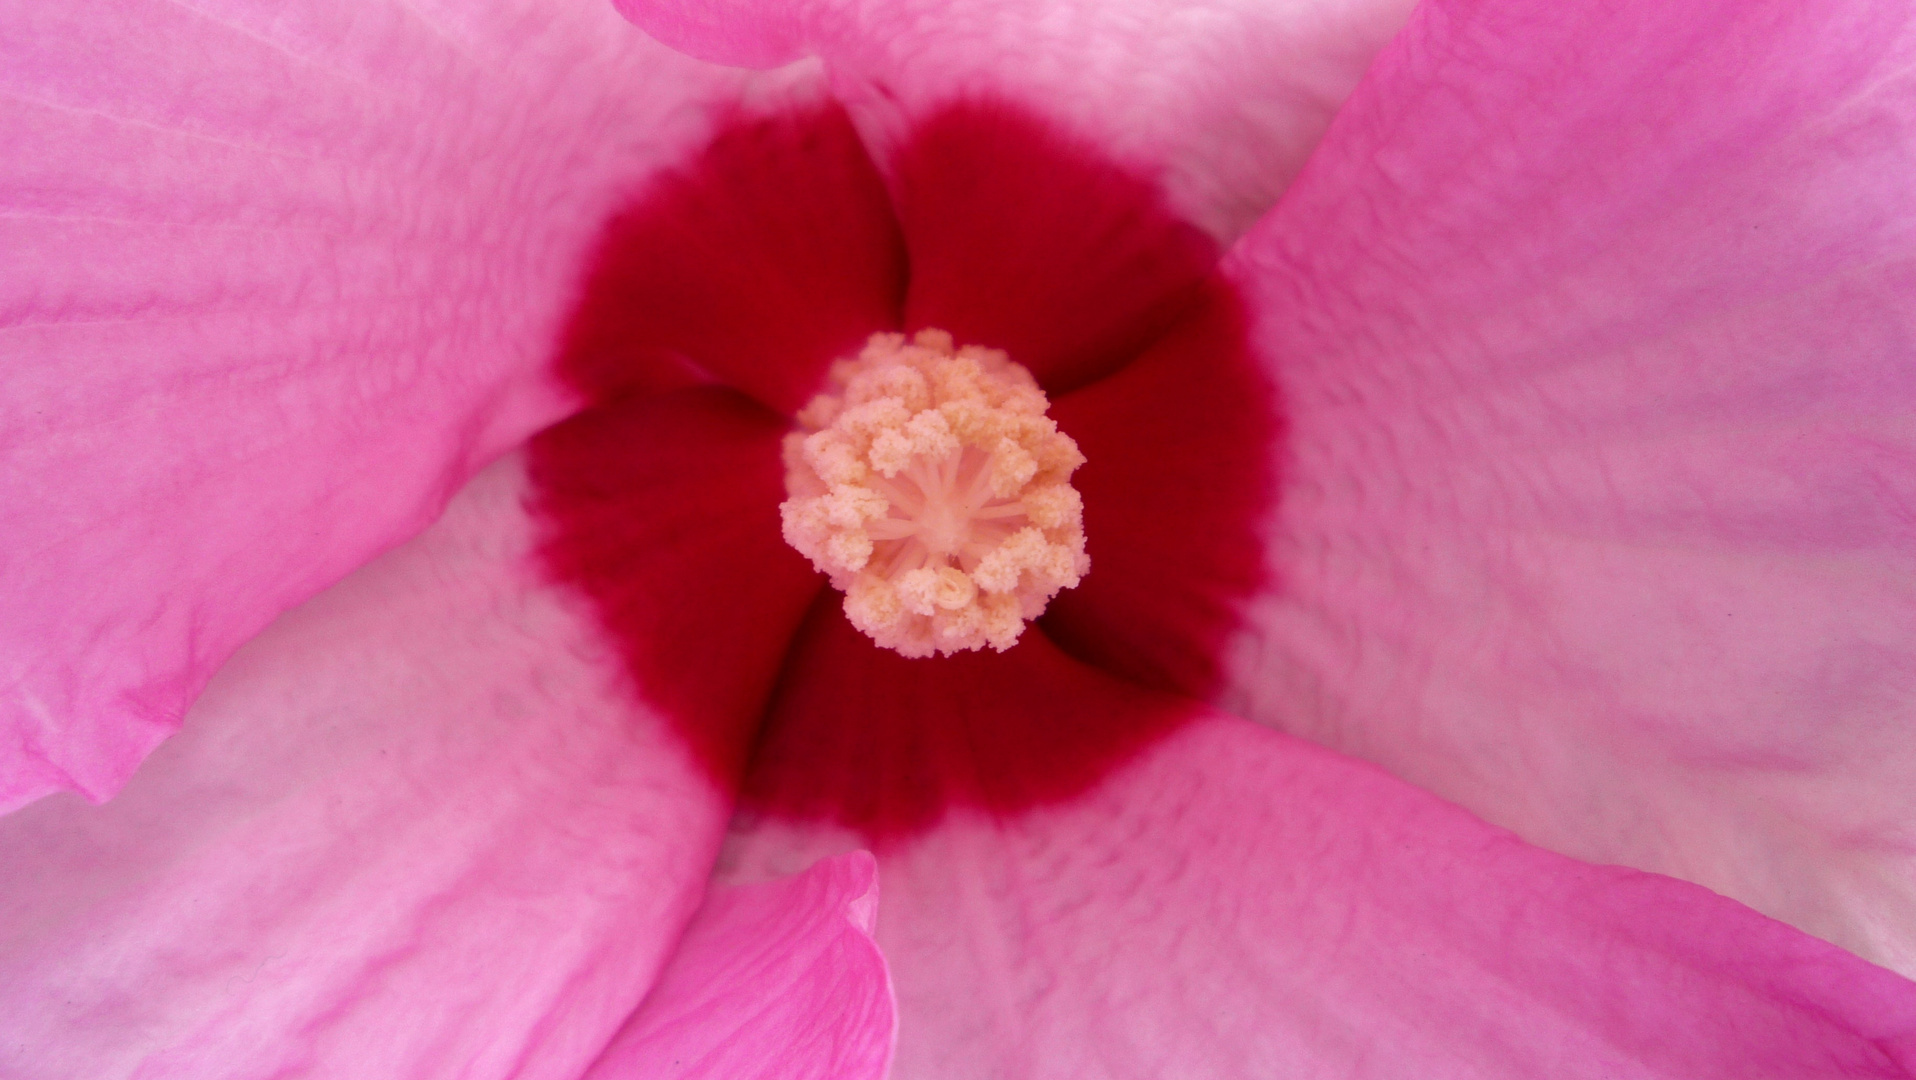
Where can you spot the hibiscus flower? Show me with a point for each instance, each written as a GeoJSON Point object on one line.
{"type": "Point", "coordinates": [1546, 443]}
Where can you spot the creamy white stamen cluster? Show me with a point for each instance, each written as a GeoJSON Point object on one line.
{"type": "Point", "coordinates": [929, 485]}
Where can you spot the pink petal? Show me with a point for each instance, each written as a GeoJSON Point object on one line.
{"type": "Point", "coordinates": [1594, 326]}
{"type": "Point", "coordinates": [1226, 96]}
{"type": "Point", "coordinates": [278, 279]}
{"type": "Point", "coordinates": [780, 979]}
{"type": "Point", "coordinates": [1239, 903]}
{"type": "Point", "coordinates": [418, 828]}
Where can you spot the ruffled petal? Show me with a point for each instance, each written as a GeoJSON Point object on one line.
{"type": "Point", "coordinates": [1593, 323]}
{"type": "Point", "coordinates": [1227, 97]}
{"type": "Point", "coordinates": [774, 980]}
{"type": "Point", "coordinates": [418, 828]}
{"type": "Point", "coordinates": [278, 279]}
{"type": "Point", "coordinates": [1239, 903]}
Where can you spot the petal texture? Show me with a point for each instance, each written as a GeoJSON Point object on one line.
{"type": "Point", "coordinates": [772, 980]}
{"type": "Point", "coordinates": [1236, 902]}
{"type": "Point", "coordinates": [418, 828]}
{"type": "Point", "coordinates": [1593, 323]}
{"type": "Point", "coordinates": [278, 279]}
{"type": "Point", "coordinates": [1227, 97]}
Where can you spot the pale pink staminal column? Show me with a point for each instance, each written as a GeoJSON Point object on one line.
{"type": "Point", "coordinates": [929, 485]}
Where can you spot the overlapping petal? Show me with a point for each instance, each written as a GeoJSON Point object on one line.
{"type": "Point", "coordinates": [1226, 97]}
{"type": "Point", "coordinates": [1236, 902]}
{"type": "Point", "coordinates": [1594, 329]}
{"type": "Point", "coordinates": [780, 979]}
{"type": "Point", "coordinates": [1470, 303]}
{"type": "Point", "coordinates": [421, 827]}
{"type": "Point", "coordinates": [278, 280]}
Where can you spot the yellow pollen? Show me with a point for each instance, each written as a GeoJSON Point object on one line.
{"type": "Point", "coordinates": [929, 485]}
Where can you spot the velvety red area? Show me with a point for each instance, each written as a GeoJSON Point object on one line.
{"type": "Point", "coordinates": [1032, 242]}
{"type": "Point", "coordinates": [772, 253]}
{"type": "Point", "coordinates": [754, 266]}
{"type": "Point", "coordinates": [1179, 467]}
{"type": "Point", "coordinates": [866, 738]}
{"type": "Point", "coordinates": [663, 510]}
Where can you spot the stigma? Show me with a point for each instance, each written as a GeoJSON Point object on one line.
{"type": "Point", "coordinates": [928, 484]}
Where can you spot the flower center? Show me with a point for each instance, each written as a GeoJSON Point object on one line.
{"type": "Point", "coordinates": [929, 485]}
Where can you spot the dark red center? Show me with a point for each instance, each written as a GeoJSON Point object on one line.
{"type": "Point", "coordinates": [710, 313]}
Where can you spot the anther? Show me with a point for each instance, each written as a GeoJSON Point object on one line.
{"type": "Point", "coordinates": [927, 482]}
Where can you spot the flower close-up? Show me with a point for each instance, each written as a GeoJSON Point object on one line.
{"type": "Point", "coordinates": [958, 539]}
